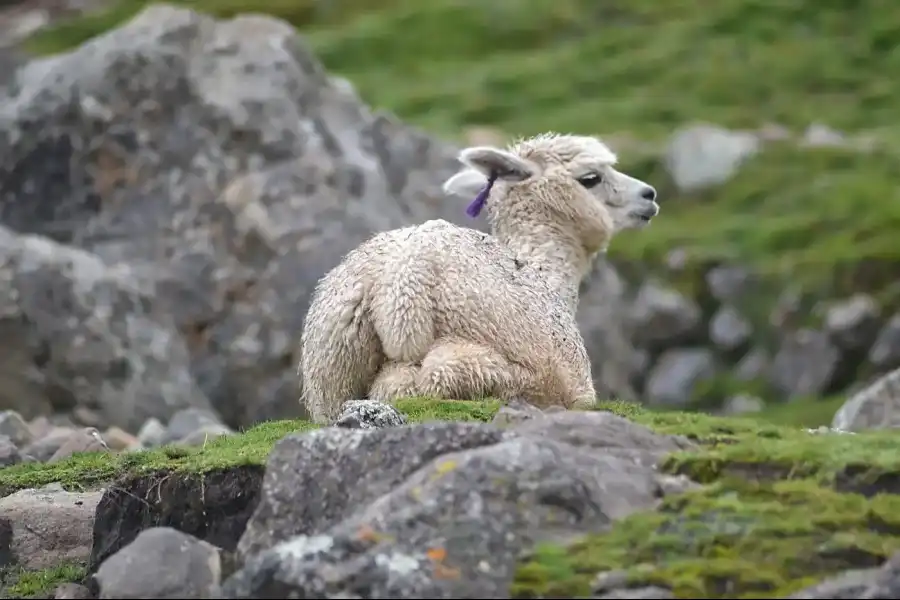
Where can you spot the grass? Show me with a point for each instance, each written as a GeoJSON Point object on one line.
{"type": "Point", "coordinates": [20, 583]}
{"type": "Point", "coordinates": [88, 470]}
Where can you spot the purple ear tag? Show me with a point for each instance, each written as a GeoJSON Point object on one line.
{"type": "Point", "coordinates": [478, 203]}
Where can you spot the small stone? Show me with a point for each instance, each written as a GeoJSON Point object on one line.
{"type": "Point", "coordinates": [662, 317]}
{"type": "Point", "coordinates": [161, 562]}
{"type": "Point", "coordinates": [119, 439]}
{"type": "Point", "coordinates": [805, 364]}
{"type": "Point", "coordinates": [514, 412]}
{"type": "Point", "coordinates": [13, 426]}
{"type": "Point", "coordinates": [729, 330]}
{"type": "Point", "coordinates": [87, 439]}
{"type": "Point", "coordinates": [885, 351]}
{"type": "Point", "coordinates": [152, 433]}
{"type": "Point", "coordinates": [853, 323]}
{"type": "Point", "coordinates": [9, 453]}
{"type": "Point", "coordinates": [743, 404]}
{"type": "Point", "coordinates": [72, 591]}
{"type": "Point", "coordinates": [368, 414]}
{"type": "Point", "coordinates": [676, 373]}
{"type": "Point", "coordinates": [204, 434]}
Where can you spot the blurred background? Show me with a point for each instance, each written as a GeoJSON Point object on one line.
{"type": "Point", "coordinates": [766, 287]}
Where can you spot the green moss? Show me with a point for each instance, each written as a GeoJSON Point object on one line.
{"type": "Point", "coordinates": [756, 449]}
{"type": "Point", "coordinates": [19, 583]}
{"type": "Point", "coordinates": [732, 540]}
{"type": "Point", "coordinates": [802, 412]}
{"type": "Point", "coordinates": [87, 470]}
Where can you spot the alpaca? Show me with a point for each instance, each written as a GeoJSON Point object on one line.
{"type": "Point", "coordinates": [449, 312]}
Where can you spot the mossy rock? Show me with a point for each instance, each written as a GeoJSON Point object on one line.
{"type": "Point", "coordinates": [780, 508]}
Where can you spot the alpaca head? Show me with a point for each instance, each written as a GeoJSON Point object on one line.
{"type": "Point", "coordinates": [563, 181]}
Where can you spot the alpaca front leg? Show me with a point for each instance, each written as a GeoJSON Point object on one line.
{"type": "Point", "coordinates": [461, 370]}
{"type": "Point", "coordinates": [395, 380]}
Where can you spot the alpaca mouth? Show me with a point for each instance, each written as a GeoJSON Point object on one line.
{"type": "Point", "coordinates": [645, 215]}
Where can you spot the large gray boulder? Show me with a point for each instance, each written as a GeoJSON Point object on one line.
{"type": "Point", "coordinates": [77, 332]}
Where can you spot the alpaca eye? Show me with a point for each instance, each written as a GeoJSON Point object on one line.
{"type": "Point", "coordinates": [590, 180]}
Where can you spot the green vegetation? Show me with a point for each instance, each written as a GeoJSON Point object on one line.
{"type": "Point", "coordinates": [732, 540]}
{"type": "Point", "coordinates": [639, 66]}
{"type": "Point", "coordinates": [782, 509]}
{"type": "Point", "coordinates": [87, 470]}
{"type": "Point", "coordinates": [19, 583]}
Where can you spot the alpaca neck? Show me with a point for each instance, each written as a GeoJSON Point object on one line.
{"type": "Point", "coordinates": [561, 259]}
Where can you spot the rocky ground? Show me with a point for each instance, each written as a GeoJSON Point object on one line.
{"type": "Point", "coordinates": [466, 500]}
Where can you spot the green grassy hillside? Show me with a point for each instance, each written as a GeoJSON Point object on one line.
{"type": "Point", "coordinates": [644, 67]}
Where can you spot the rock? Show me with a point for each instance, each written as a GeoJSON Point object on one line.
{"type": "Point", "coordinates": [702, 155]}
{"type": "Point", "coordinates": [9, 453]}
{"type": "Point", "coordinates": [607, 334]}
{"type": "Point", "coordinates": [614, 584]}
{"type": "Point", "coordinates": [662, 317]}
{"type": "Point", "coordinates": [152, 433]}
{"type": "Point", "coordinates": [514, 412]}
{"type": "Point", "coordinates": [853, 323]}
{"type": "Point", "coordinates": [728, 283]}
{"type": "Point", "coordinates": [186, 422]}
{"type": "Point", "coordinates": [213, 506]}
{"type": "Point", "coordinates": [161, 562]}
{"type": "Point", "coordinates": [729, 330]}
{"type": "Point", "coordinates": [875, 407]}
{"type": "Point", "coordinates": [118, 439]}
{"type": "Point", "coordinates": [13, 426]}
{"type": "Point", "coordinates": [314, 480]}
{"type": "Point", "coordinates": [87, 439]}
{"type": "Point", "coordinates": [675, 375]}
{"type": "Point", "coordinates": [788, 310]}
{"type": "Point", "coordinates": [94, 331]}
{"type": "Point", "coordinates": [651, 592]}
{"type": "Point", "coordinates": [885, 351]}
{"type": "Point", "coordinates": [49, 526]}
{"type": "Point", "coordinates": [753, 366]}
{"type": "Point", "coordinates": [72, 591]}
{"type": "Point", "coordinates": [743, 404]}
{"type": "Point", "coordinates": [369, 414]}
{"type": "Point", "coordinates": [819, 135]}
{"type": "Point", "coordinates": [48, 444]}
{"type": "Point", "coordinates": [876, 583]}
{"type": "Point", "coordinates": [429, 510]}
{"type": "Point", "coordinates": [805, 364]}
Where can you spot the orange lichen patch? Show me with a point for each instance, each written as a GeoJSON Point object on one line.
{"type": "Point", "coordinates": [436, 554]}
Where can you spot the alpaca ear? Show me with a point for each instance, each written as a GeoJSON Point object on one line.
{"type": "Point", "coordinates": [466, 184]}
{"type": "Point", "coordinates": [500, 163]}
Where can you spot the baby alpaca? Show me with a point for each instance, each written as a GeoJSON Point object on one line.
{"type": "Point", "coordinates": [444, 311]}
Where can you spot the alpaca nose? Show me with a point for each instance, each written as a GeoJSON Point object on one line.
{"type": "Point", "coordinates": [648, 193]}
